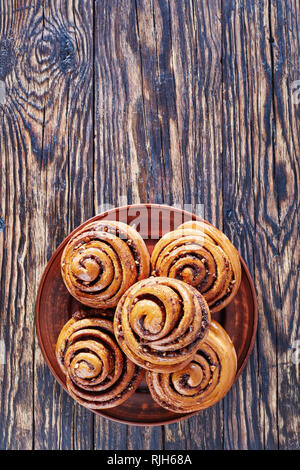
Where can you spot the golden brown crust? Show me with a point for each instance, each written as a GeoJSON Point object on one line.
{"type": "Point", "coordinates": [102, 260]}
{"type": "Point", "coordinates": [202, 256]}
{"type": "Point", "coordinates": [98, 374]}
{"type": "Point", "coordinates": [203, 382]}
{"type": "Point", "coordinates": [159, 323]}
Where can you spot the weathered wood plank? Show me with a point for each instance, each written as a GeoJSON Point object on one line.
{"type": "Point", "coordinates": [67, 33]}
{"type": "Point", "coordinates": [141, 438]}
{"type": "Point", "coordinates": [251, 211]}
{"type": "Point", "coordinates": [128, 165]}
{"type": "Point", "coordinates": [18, 237]}
{"type": "Point", "coordinates": [245, 100]}
{"type": "Point", "coordinates": [285, 43]}
{"type": "Point", "coordinates": [195, 58]}
{"type": "Point", "coordinates": [196, 37]}
{"type": "Point", "coordinates": [46, 137]}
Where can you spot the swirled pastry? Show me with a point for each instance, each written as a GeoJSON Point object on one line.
{"type": "Point", "coordinates": [202, 256]}
{"type": "Point", "coordinates": [102, 260]}
{"type": "Point", "coordinates": [159, 323]}
{"type": "Point", "coordinates": [98, 374]}
{"type": "Point", "coordinates": [204, 381]}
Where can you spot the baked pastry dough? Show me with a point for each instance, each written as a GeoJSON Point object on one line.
{"type": "Point", "coordinates": [202, 256]}
{"type": "Point", "coordinates": [159, 323]}
{"type": "Point", "coordinates": [98, 374]}
{"type": "Point", "coordinates": [102, 260]}
{"type": "Point", "coordinates": [204, 381]}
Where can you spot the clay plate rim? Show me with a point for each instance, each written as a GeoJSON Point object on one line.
{"type": "Point", "coordinates": [100, 216]}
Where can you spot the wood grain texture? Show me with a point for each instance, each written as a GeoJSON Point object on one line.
{"type": "Point", "coordinates": [247, 71]}
{"type": "Point", "coordinates": [47, 133]}
{"type": "Point", "coordinates": [121, 143]}
{"type": "Point", "coordinates": [285, 40]}
{"type": "Point", "coordinates": [109, 102]}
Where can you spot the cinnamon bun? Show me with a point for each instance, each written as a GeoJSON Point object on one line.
{"type": "Point", "coordinates": [202, 256]}
{"type": "Point", "coordinates": [204, 381]}
{"type": "Point", "coordinates": [102, 260]}
{"type": "Point", "coordinates": [98, 373]}
{"type": "Point", "coordinates": [159, 323]}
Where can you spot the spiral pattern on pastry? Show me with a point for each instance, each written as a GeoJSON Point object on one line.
{"type": "Point", "coordinates": [204, 381]}
{"type": "Point", "coordinates": [202, 256]}
{"type": "Point", "coordinates": [159, 323]}
{"type": "Point", "coordinates": [98, 373]}
{"type": "Point", "coordinates": [102, 260]}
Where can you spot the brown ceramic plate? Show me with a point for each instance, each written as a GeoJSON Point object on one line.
{"type": "Point", "coordinates": [55, 306]}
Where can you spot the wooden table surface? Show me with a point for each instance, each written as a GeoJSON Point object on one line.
{"type": "Point", "coordinates": [166, 101]}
